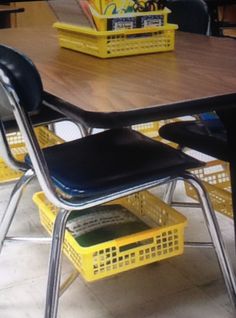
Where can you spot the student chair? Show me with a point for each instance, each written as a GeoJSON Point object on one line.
{"type": "Point", "coordinates": [206, 135]}
{"type": "Point", "coordinates": [90, 171]}
{"type": "Point", "coordinates": [203, 135]}
{"type": "Point", "coordinates": [190, 15]}
{"type": "Point", "coordinates": [44, 116]}
{"type": "Point", "coordinates": [218, 23]}
{"type": "Point", "coordinates": [47, 115]}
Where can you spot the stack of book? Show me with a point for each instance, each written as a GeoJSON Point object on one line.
{"type": "Point", "coordinates": [108, 15]}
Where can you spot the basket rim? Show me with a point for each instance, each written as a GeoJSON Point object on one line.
{"type": "Point", "coordinates": [85, 30]}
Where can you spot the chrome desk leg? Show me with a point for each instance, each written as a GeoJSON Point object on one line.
{"type": "Point", "coordinates": [169, 192]}
{"type": "Point", "coordinates": [52, 127]}
{"type": "Point", "coordinates": [217, 240]}
{"type": "Point", "coordinates": [54, 274]}
{"type": "Point", "coordinates": [90, 131]}
{"type": "Point", "coordinates": [12, 205]}
{"type": "Point", "coordinates": [84, 129]}
{"type": "Point", "coordinates": [171, 186]}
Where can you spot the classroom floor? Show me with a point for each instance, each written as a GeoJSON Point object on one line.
{"type": "Point", "coordinates": [182, 287]}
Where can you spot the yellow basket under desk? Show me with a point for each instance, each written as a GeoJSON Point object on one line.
{"type": "Point", "coordinates": [216, 178]}
{"type": "Point", "coordinates": [106, 44]}
{"type": "Point", "coordinates": [151, 130]}
{"type": "Point", "coordinates": [118, 255]}
{"type": "Point", "coordinates": [46, 138]}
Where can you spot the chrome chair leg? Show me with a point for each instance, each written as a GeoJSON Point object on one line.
{"type": "Point", "coordinates": [28, 240]}
{"type": "Point", "coordinates": [54, 274]}
{"type": "Point", "coordinates": [12, 205]}
{"type": "Point", "coordinates": [215, 233]}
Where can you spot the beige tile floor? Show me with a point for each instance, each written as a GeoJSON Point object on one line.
{"type": "Point", "coordinates": [187, 286]}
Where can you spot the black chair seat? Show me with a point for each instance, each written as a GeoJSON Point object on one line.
{"type": "Point", "coordinates": [196, 135]}
{"type": "Point", "coordinates": [109, 160]}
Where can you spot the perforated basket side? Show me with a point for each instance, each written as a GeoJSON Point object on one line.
{"type": "Point", "coordinates": [150, 42]}
{"type": "Point", "coordinates": [216, 178]}
{"type": "Point", "coordinates": [106, 44]}
{"type": "Point", "coordinates": [151, 130]}
{"type": "Point", "coordinates": [115, 256]}
{"type": "Point", "coordinates": [7, 174]}
{"type": "Point", "coordinates": [45, 137]}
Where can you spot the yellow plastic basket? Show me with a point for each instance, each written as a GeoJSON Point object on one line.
{"type": "Point", "coordinates": [112, 257]}
{"type": "Point", "coordinates": [151, 130]}
{"type": "Point", "coordinates": [45, 137]}
{"type": "Point", "coordinates": [106, 44]}
{"type": "Point", "coordinates": [216, 178]}
{"type": "Point", "coordinates": [110, 7]}
{"type": "Point", "coordinates": [130, 20]}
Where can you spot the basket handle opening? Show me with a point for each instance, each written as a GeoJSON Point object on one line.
{"type": "Point", "coordinates": [135, 244]}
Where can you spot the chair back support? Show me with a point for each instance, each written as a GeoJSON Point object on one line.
{"type": "Point", "coordinates": [21, 93]}
{"type": "Point", "coordinates": [191, 15]}
{"type": "Point", "coordinates": [25, 79]}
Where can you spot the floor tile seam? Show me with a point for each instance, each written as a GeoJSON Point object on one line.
{"type": "Point", "coordinates": [226, 306]}
{"type": "Point", "coordinates": [193, 281]}
{"type": "Point", "coordinates": [97, 298]}
{"type": "Point", "coordinates": [174, 292]}
{"type": "Point", "coordinates": [28, 280]}
{"type": "Point", "coordinates": [193, 288]}
{"type": "Point", "coordinates": [24, 282]}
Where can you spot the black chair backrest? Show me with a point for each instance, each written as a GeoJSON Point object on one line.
{"type": "Point", "coordinates": [24, 78]}
{"type": "Point", "coordinates": [191, 15]}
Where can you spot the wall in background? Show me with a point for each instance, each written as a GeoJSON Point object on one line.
{"type": "Point", "coordinates": [36, 14]}
{"type": "Point", "coordinates": [228, 13]}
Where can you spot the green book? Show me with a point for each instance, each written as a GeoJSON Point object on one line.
{"type": "Point", "coordinates": [103, 223]}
